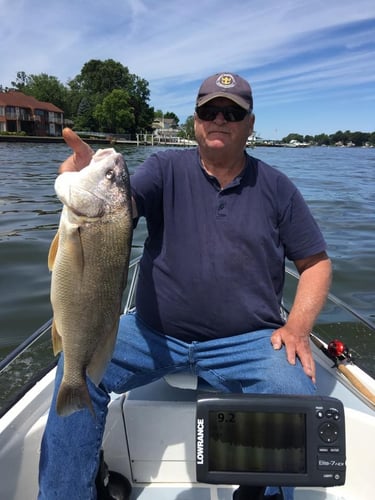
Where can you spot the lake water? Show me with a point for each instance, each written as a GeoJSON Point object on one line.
{"type": "Point", "coordinates": [338, 184]}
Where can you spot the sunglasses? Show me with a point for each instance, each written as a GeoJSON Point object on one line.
{"type": "Point", "coordinates": [230, 113]}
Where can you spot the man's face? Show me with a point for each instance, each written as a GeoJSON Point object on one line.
{"type": "Point", "coordinates": [221, 134]}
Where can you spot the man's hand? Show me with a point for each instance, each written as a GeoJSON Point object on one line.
{"type": "Point", "coordinates": [295, 346]}
{"type": "Point", "coordinates": [82, 152]}
{"type": "Point", "coordinates": [312, 290]}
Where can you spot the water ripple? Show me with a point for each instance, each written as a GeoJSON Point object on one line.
{"type": "Point", "coordinates": [338, 184]}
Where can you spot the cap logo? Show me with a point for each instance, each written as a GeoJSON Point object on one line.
{"type": "Point", "coordinates": [226, 81]}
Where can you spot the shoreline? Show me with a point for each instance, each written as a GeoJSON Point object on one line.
{"type": "Point", "coordinates": [113, 140]}
{"type": "Point", "coordinates": [56, 140]}
{"type": "Point", "coordinates": [92, 140]}
{"type": "Point", "coordinates": [139, 142]}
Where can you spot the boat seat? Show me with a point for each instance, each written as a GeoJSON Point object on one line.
{"type": "Point", "coordinates": [187, 380]}
{"type": "Point", "coordinates": [182, 380]}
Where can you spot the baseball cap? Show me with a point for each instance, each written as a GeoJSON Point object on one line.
{"type": "Point", "coordinates": [228, 85]}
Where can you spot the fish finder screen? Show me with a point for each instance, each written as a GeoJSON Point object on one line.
{"type": "Point", "coordinates": [245, 441]}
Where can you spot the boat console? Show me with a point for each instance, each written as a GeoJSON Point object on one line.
{"type": "Point", "coordinates": [270, 440]}
{"type": "Point", "coordinates": [185, 436]}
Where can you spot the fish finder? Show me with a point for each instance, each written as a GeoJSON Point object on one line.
{"type": "Point", "coordinates": [273, 440]}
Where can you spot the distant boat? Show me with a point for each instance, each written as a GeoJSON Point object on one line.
{"type": "Point", "coordinates": [297, 144]}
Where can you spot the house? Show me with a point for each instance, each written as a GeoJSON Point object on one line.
{"type": "Point", "coordinates": [24, 113]}
{"type": "Point", "coordinates": [165, 129]}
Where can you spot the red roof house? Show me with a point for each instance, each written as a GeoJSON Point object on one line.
{"type": "Point", "coordinates": [24, 113]}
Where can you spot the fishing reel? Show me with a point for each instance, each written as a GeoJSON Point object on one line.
{"type": "Point", "coordinates": [339, 351]}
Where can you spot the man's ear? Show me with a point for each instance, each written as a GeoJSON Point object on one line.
{"type": "Point", "coordinates": [251, 123]}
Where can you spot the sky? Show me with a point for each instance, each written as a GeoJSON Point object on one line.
{"type": "Point", "coordinates": [310, 63]}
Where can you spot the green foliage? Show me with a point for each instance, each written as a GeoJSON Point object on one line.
{"type": "Point", "coordinates": [189, 128]}
{"type": "Point", "coordinates": [172, 116]}
{"type": "Point", "coordinates": [338, 138]}
{"type": "Point", "coordinates": [139, 95]}
{"type": "Point", "coordinates": [21, 82]}
{"type": "Point", "coordinates": [293, 137]}
{"type": "Point", "coordinates": [115, 114]}
{"type": "Point", "coordinates": [43, 87]}
{"type": "Point", "coordinates": [321, 140]}
{"type": "Point", "coordinates": [105, 96]}
{"type": "Point", "coordinates": [14, 133]}
{"type": "Point", "coordinates": [99, 78]}
{"type": "Point", "coordinates": [359, 138]}
{"type": "Point", "coordinates": [371, 138]}
{"type": "Point", "coordinates": [87, 99]}
{"type": "Point", "coordinates": [84, 118]}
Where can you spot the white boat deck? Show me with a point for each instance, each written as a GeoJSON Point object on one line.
{"type": "Point", "coordinates": [157, 449]}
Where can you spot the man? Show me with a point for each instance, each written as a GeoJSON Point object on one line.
{"type": "Point", "coordinates": [220, 225]}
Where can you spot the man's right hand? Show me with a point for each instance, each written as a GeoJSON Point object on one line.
{"type": "Point", "coordinates": [82, 152]}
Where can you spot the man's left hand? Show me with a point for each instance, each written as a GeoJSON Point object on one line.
{"type": "Point", "coordinates": [295, 346]}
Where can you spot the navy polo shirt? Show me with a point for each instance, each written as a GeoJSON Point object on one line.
{"type": "Point", "coordinates": [213, 261]}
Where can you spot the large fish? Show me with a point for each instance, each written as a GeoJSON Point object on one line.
{"type": "Point", "coordinates": [89, 260]}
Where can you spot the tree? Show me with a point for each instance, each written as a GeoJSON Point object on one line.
{"type": "Point", "coordinates": [115, 114]}
{"type": "Point", "coordinates": [338, 136]}
{"type": "Point", "coordinates": [45, 88]}
{"type": "Point", "coordinates": [309, 139]}
{"type": "Point", "coordinates": [322, 139]}
{"type": "Point", "coordinates": [139, 96]}
{"type": "Point", "coordinates": [172, 116]}
{"type": "Point", "coordinates": [359, 138]}
{"type": "Point", "coordinates": [371, 139]}
{"type": "Point", "coordinates": [293, 137]}
{"type": "Point", "coordinates": [84, 119]}
{"type": "Point", "coordinates": [22, 81]}
{"type": "Point", "coordinates": [101, 77]}
{"type": "Point", "coordinates": [97, 80]}
{"type": "Point", "coordinates": [189, 128]}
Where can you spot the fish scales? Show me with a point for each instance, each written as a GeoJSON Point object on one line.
{"type": "Point", "coordinates": [89, 259]}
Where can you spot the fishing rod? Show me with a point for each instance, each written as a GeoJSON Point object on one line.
{"type": "Point", "coordinates": [339, 353]}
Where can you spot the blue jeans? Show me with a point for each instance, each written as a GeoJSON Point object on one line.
{"type": "Point", "coordinates": [242, 363]}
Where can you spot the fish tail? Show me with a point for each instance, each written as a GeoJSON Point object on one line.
{"type": "Point", "coordinates": [71, 399]}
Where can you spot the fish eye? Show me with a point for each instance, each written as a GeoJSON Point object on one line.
{"type": "Point", "coordinates": [110, 174]}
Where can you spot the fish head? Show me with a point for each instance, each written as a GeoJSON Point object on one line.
{"type": "Point", "coordinates": [100, 188]}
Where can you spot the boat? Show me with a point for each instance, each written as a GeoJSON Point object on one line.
{"type": "Point", "coordinates": [150, 435]}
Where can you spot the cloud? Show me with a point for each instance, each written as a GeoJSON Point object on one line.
{"type": "Point", "coordinates": [290, 51]}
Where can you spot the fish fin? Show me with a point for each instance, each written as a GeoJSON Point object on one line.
{"type": "Point", "coordinates": [56, 340]}
{"type": "Point", "coordinates": [73, 247]}
{"type": "Point", "coordinates": [53, 251]}
{"type": "Point", "coordinates": [102, 356]}
{"type": "Point", "coordinates": [71, 399]}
